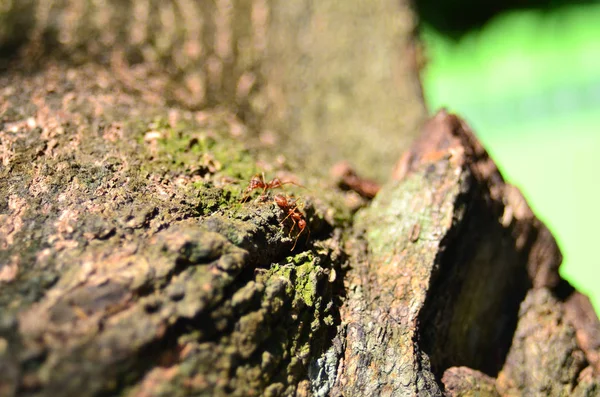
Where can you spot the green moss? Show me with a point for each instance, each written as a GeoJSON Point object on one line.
{"type": "Point", "coordinates": [301, 258]}
{"type": "Point", "coordinates": [301, 280]}
{"type": "Point", "coordinates": [217, 166]}
{"type": "Point", "coordinates": [303, 350]}
{"type": "Point", "coordinates": [207, 149]}
{"type": "Point", "coordinates": [187, 146]}
{"type": "Point", "coordinates": [306, 282]}
{"type": "Point", "coordinates": [302, 275]}
{"type": "Point", "coordinates": [213, 199]}
{"type": "Point", "coordinates": [283, 271]}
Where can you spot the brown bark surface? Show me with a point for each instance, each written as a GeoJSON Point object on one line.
{"type": "Point", "coordinates": [450, 253]}
{"type": "Point", "coordinates": [133, 262]}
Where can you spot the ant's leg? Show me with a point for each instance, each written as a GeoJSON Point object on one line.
{"type": "Point", "coordinates": [292, 228]}
{"type": "Point", "coordinates": [265, 184]}
{"type": "Point", "coordinates": [297, 237]}
{"type": "Point", "coordinates": [290, 210]}
{"type": "Point", "coordinates": [293, 222]}
{"type": "Point", "coordinates": [246, 194]}
{"type": "Point", "coordinates": [285, 219]}
{"type": "Point", "coordinates": [295, 242]}
{"type": "Point", "coordinates": [292, 183]}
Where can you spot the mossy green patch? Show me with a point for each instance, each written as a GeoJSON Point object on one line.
{"type": "Point", "coordinates": [302, 258]}
{"type": "Point", "coordinates": [285, 272]}
{"type": "Point", "coordinates": [207, 166]}
{"type": "Point", "coordinates": [307, 277]}
{"type": "Point", "coordinates": [202, 149]}
{"type": "Point", "coordinates": [213, 198]}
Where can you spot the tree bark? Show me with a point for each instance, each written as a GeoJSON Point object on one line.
{"type": "Point", "coordinates": [135, 261]}
{"type": "Point", "coordinates": [449, 253]}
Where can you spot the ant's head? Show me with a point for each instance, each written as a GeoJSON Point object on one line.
{"type": "Point", "coordinates": [281, 200]}
{"type": "Point", "coordinates": [256, 182]}
{"type": "Point", "coordinates": [275, 183]}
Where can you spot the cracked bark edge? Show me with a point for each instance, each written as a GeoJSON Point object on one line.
{"type": "Point", "coordinates": [448, 253]}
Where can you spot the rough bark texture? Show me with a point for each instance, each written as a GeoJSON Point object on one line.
{"type": "Point", "coordinates": [130, 265]}
{"type": "Point", "coordinates": [450, 252]}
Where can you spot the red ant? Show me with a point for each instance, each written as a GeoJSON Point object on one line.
{"type": "Point", "coordinates": [258, 182]}
{"type": "Point", "coordinates": [291, 208]}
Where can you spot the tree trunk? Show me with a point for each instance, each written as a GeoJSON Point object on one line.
{"type": "Point", "coordinates": [135, 260]}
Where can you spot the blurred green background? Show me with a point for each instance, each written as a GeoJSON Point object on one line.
{"type": "Point", "coordinates": [526, 76]}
